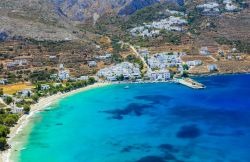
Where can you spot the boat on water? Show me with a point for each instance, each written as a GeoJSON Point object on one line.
{"type": "Point", "coordinates": [127, 87]}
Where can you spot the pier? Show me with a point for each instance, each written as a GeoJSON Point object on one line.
{"type": "Point", "coordinates": [190, 83]}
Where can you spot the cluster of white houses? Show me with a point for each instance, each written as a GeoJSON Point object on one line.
{"type": "Point", "coordinates": [16, 63]}
{"type": "Point", "coordinates": [165, 60]}
{"type": "Point", "coordinates": [125, 69]}
{"type": "Point", "coordinates": [214, 7]}
{"type": "Point", "coordinates": [210, 7]}
{"type": "Point", "coordinates": [230, 5]}
{"type": "Point", "coordinates": [175, 22]}
{"type": "Point", "coordinates": [160, 62]}
{"type": "Point", "coordinates": [159, 75]}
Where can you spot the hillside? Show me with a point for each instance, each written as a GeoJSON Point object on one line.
{"type": "Point", "coordinates": [45, 34]}
{"type": "Point", "coordinates": [210, 28]}
{"type": "Point", "coordinates": [80, 10]}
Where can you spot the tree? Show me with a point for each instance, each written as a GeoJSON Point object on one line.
{"type": "Point", "coordinates": [3, 143]}
{"type": "Point", "coordinates": [2, 111]}
{"type": "Point", "coordinates": [9, 121]}
{"type": "Point", "coordinates": [185, 66]}
{"type": "Point", "coordinates": [185, 74]}
{"type": "Point", "coordinates": [91, 80]}
{"type": "Point", "coordinates": [38, 87]}
{"type": "Point", "coordinates": [8, 100]}
{"type": "Point", "coordinates": [1, 92]}
{"type": "Point", "coordinates": [4, 131]}
{"type": "Point", "coordinates": [120, 78]}
{"type": "Point", "coordinates": [35, 97]}
{"type": "Point", "coordinates": [26, 109]}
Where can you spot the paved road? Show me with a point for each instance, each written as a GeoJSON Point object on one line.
{"type": "Point", "coordinates": [138, 55]}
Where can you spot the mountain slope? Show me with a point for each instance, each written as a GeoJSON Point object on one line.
{"type": "Point", "coordinates": [57, 19]}
{"type": "Point", "coordinates": [79, 10]}
{"type": "Point", "coordinates": [35, 19]}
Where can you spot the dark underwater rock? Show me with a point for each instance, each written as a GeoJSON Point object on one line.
{"type": "Point", "coordinates": [132, 109]}
{"type": "Point", "coordinates": [167, 147]}
{"type": "Point", "coordinates": [151, 159]}
{"type": "Point", "coordinates": [189, 131]}
{"type": "Point", "coordinates": [155, 99]}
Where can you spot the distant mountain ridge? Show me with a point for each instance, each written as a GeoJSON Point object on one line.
{"type": "Point", "coordinates": [80, 10]}
{"type": "Point", "coordinates": [57, 19]}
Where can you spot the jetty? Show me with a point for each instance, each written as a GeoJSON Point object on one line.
{"type": "Point", "coordinates": [190, 83]}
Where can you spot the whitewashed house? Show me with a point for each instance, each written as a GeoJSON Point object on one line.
{"type": "Point", "coordinates": [63, 75]}
{"type": "Point", "coordinates": [45, 87]}
{"type": "Point", "coordinates": [16, 110]}
{"type": "Point", "coordinates": [83, 78]}
{"type": "Point", "coordinates": [92, 64]}
{"type": "Point", "coordinates": [162, 75]}
{"type": "Point", "coordinates": [212, 67]}
{"type": "Point", "coordinates": [25, 93]}
{"type": "Point", "coordinates": [194, 63]}
{"type": "Point", "coordinates": [204, 51]}
{"type": "Point", "coordinates": [3, 81]}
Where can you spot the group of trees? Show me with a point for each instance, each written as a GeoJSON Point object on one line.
{"type": "Point", "coordinates": [6, 121]}
{"type": "Point", "coordinates": [8, 100]}
{"type": "Point", "coordinates": [135, 60]}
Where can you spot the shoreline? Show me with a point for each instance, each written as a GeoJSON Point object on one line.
{"type": "Point", "coordinates": [42, 103]}
{"type": "Point", "coordinates": [46, 101]}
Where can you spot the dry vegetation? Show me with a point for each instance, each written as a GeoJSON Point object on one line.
{"type": "Point", "coordinates": [13, 88]}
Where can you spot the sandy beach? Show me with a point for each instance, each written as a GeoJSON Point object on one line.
{"type": "Point", "coordinates": [43, 103]}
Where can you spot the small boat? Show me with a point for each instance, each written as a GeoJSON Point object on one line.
{"type": "Point", "coordinates": [127, 87]}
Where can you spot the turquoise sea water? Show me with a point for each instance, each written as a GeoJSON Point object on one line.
{"type": "Point", "coordinates": [162, 122]}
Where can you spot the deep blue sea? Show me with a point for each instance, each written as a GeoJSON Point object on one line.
{"type": "Point", "coordinates": [162, 122]}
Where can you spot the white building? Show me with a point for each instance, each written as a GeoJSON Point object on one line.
{"type": "Point", "coordinates": [126, 69]}
{"type": "Point", "coordinates": [231, 7]}
{"type": "Point", "coordinates": [61, 67]}
{"type": "Point", "coordinates": [92, 64]}
{"type": "Point", "coordinates": [162, 75]}
{"type": "Point", "coordinates": [83, 78]}
{"type": "Point", "coordinates": [45, 87]}
{"type": "Point", "coordinates": [210, 7]}
{"type": "Point", "coordinates": [194, 63]}
{"type": "Point", "coordinates": [3, 81]}
{"type": "Point", "coordinates": [164, 60]}
{"type": "Point", "coordinates": [16, 110]}
{"type": "Point", "coordinates": [212, 67]}
{"type": "Point", "coordinates": [104, 57]}
{"type": "Point", "coordinates": [63, 75]}
{"type": "Point", "coordinates": [204, 51]}
{"type": "Point", "coordinates": [25, 93]}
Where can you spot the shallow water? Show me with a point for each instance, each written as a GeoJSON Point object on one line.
{"type": "Point", "coordinates": [146, 123]}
